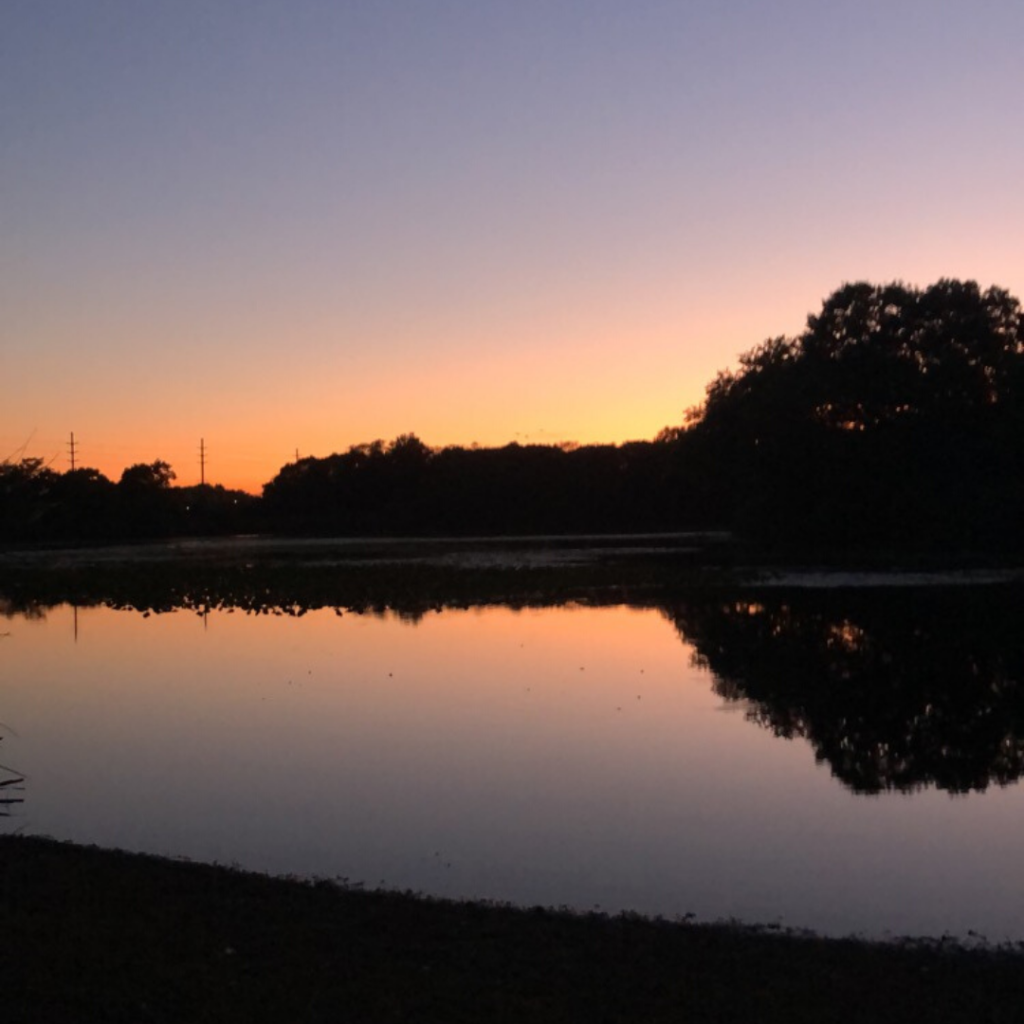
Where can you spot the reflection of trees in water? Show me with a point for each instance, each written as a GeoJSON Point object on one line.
{"type": "Point", "coordinates": [25, 609]}
{"type": "Point", "coordinates": [894, 688]}
{"type": "Point", "coordinates": [409, 590]}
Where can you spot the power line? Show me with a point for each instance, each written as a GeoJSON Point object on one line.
{"type": "Point", "coordinates": [20, 451]}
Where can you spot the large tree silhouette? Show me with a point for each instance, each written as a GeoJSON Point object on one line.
{"type": "Point", "coordinates": [895, 417]}
{"type": "Point", "coordinates": [147, 476]}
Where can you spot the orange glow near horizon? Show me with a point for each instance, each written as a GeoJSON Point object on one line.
{"type": "Point", "coordinates": [601, 384]}
{"type": "Point", "coordinates": [594, 393]}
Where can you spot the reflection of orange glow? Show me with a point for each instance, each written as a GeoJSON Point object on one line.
{"type": "Point", "coordinates": [748, 608]}
{"type": "Point", "coordinates": [585, 680]}
{"type": "Point", "coordinates": [845, 635]}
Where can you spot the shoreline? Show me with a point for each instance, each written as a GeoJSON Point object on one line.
{"type": "Point", "coordinates": [279, 574]}
{"type": "Point", "coordinates": [94, 934]}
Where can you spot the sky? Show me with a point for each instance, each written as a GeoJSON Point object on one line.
{"type": "Point", "coordinates": [299, 225]}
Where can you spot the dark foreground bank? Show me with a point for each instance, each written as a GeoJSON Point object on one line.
{"type": "Point", "coordinates": [92, 935]}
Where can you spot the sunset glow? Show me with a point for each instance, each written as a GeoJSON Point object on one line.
{"type": "Point", "coordinates": [294, 227]}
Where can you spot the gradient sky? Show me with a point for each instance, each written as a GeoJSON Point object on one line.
{"type": "Point", "coordinates": [305, 224]}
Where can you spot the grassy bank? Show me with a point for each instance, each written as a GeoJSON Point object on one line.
{"type": "Point", "coordinates": [91, 935]}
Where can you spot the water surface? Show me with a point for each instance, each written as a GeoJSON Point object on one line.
{"type": "Point", "coordinates": [680, 759]}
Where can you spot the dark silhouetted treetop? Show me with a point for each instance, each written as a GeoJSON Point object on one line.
{"type": "Point", "coordinates": [896, 417]}
{"type": "Point", "coordinates": [148, 475]}
{"type": "Point", "coordinates": [26, 495]}
{"type": "Point", "coordinates": [875, 354]}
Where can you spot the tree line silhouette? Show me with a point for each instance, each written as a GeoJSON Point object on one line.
{"type": "Point", "coordinates": [406, 488]}
{"type": "Point", "coordinates": [894, 420]}
{"type": "Point", "coordinates": [39, 504]}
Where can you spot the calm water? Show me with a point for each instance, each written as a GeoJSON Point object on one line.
{"type": "Point", "coordinates": [827, 763]}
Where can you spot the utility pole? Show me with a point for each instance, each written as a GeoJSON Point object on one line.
{"type": "Point", "coordinates": [72, 451]}
{"type": "Point", "coordinates": [296, 454]}
{"type": "Point", "coordinates": [202, 461]}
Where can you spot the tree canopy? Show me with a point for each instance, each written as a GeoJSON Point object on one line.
{"type": "Point", "coordinates": [405, 487]}
{"type": "Point", "coordinates": [879, 354]}
{"type": "Point", "coordinates": [895, 416]}
{"type": "Point", "coordinates": [148, 476]}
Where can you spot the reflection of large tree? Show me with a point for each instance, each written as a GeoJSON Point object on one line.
{"type": "Point", "coordinates": [895, 689]}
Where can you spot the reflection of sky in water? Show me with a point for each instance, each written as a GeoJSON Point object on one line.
{"type": "Point", "coordinates": [567, 756]}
